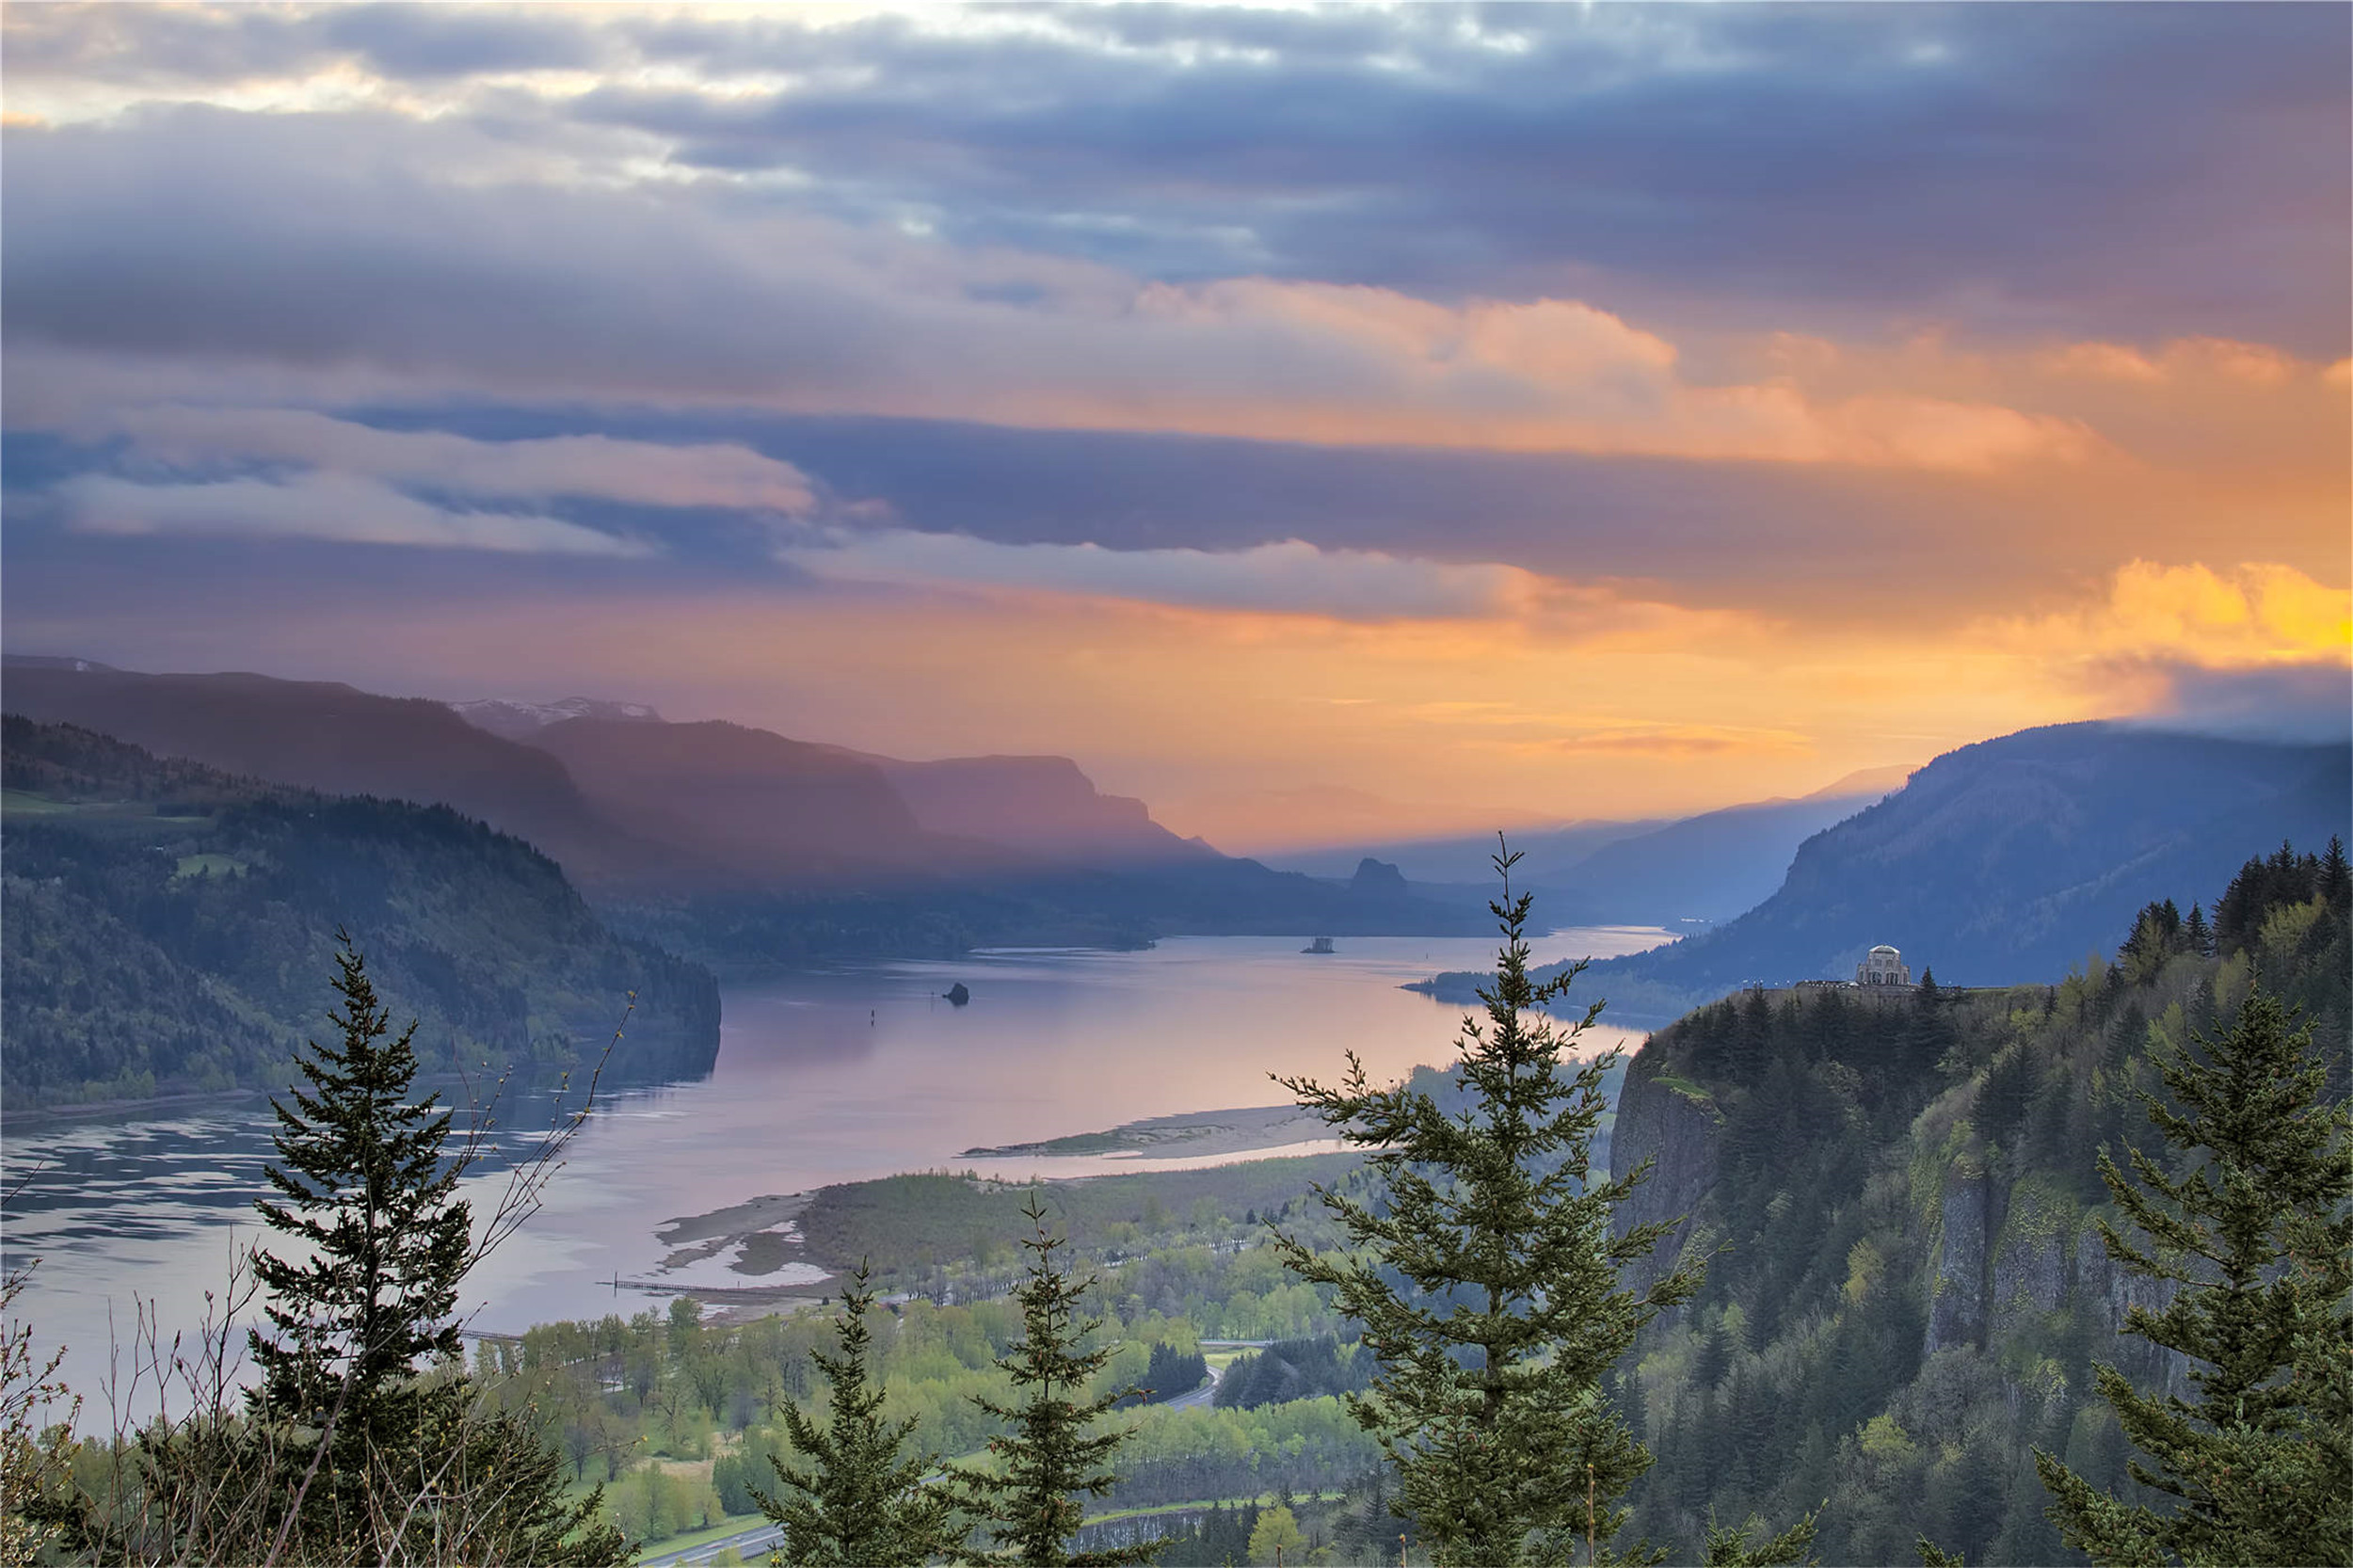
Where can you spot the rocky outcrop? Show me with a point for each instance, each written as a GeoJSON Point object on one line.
{"type": "Point", "coordinates": [2006, 1259]}
{"type": "Point", "coordinates": [2109, 1292]}
{"type": "Point", "coordinates": [2030, 1275]}
{"type": "Point", "coordinates": [1675, 1126]}
{"type": "Point", "coordinates": [1957, 1302]}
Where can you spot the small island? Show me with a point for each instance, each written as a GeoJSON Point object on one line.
{"type": "Point", "coordinates": [958, 995]}
{"type": "Point", "coordinates": [1321, 944]}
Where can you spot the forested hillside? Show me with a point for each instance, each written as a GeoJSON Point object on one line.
{"type": "Point", "coordinates": [2002, 862]}
{"type": "Point", "coordinates": [327, 736]}
{"type": "Point", "coordinates": [166, 927]}
{"type": "Point", "coordinates": [1895, 1194]}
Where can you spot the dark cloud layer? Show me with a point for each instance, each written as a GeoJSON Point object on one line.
{"type": "Point", "coordinates": [2111, 169]}
{"type": "Point", "coordinates": [1723, 529]}
{"type": "Point", "coordinates": [2114, 170]}
{"type": "Point", "coordinates": [932, 192]}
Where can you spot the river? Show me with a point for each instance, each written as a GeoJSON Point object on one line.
{"type": "Point", "coordinates": [820, 1077]}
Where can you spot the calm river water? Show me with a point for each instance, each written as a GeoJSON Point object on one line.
{"type": "Point", "coordinates": [820, 1078]}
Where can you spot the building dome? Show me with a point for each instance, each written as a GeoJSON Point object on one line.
{"type": "Point", "coordinates": [1884, 966]}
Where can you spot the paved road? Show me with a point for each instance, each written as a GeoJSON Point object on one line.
{"type": "Point", "coordinates": [1200, 1395]}
{"type": "Point", "coordinates": [752, 1545]}
{"type": "Point", "coordinates": [1208, 1391]}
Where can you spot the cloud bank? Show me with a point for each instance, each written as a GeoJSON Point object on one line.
{"type": "Point", "coordinates": [326, 508]}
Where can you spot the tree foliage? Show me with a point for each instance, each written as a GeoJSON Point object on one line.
{"type": "Point", "coordinates": [33, 1452]}
{"type": "Point", "coordinates": [863, 1500]}
{"type": "Point", "coordinates": [383, 1239]}
{"type": "Point", "coordinates": [366, 1442]}
{"type": "Point", "coordinates": [1050, 1452]}
{"type": "Point", "coordinates": [1170, 1373]}
{"type": "Point", "coordinates": [167, 921]}
{"type": "Point", "coordinates": [1485, 1277]}
{"type": "Point", "coordinates": [2251, 1229]}
{"type": "Point", "coordinates": [1739, 1546]}
{"type": "Point", "coordinates": [1275, 1532]}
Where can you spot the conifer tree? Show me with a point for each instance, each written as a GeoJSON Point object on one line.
{"type": "Point", "coordinates": [362, 1182]}
{"type": "Point", "coordinates": [357, 1325]}
{"type": "Point", "coordinates": [1050, 1455]}
{"type": "Point", "coordinates": [1737, 1546]}
{"type": "Point", "coordinates": [1485, 1276]}
{"type": "Point", "coordinates": [2336, 878]}
{"type": "Point", "coordinates": [864, 1501]}
{"type": "Point", "coordinates": [2255, 1232]}
{"type": "Point", "coordinates": [2196, 934]}
{"type": "Point", "coordinates": [355, 1448]}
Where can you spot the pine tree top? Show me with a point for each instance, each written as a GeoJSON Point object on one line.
{"type": "Point", "coordinates": [1484, 1270]}
{"type": "Point", "coordinates": [362, 1181]}
{"type": "Point", "coordinates": [2251, 1223]}
{"type": "Point", "coordinates": [1051, 1453]}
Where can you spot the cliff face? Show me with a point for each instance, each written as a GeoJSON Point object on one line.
{"type": "Point", "coordinates": [2006, 1258]}
{"type": "Point", "coordinates": [1673, 1127]}
{"type": "Point", "coordinates": [1957, 1286]}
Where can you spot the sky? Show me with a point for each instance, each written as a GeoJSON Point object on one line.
{"type": "Point", "coordinates": [1324, 424]}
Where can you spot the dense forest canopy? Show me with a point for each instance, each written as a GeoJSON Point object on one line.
{"type": "Point", "coordinates": [1897, 1195]}
{"type": "Point", "coordinates": [167, 926]}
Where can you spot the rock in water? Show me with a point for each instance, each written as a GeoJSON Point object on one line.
{"type": "Point", "coordinates": [958, 995]}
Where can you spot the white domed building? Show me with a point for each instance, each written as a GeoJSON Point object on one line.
{"type": "Point", "coordinates": [1884, 966]}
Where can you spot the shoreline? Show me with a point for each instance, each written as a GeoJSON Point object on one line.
{"type": "Point", "coordinates": [758, 1239]}
{"type": "Point", "coordinates": [1186, 1133]}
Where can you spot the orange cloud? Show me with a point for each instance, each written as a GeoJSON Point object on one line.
{"type": "Point", "coordinates": [1357, 366]}
{"type": "Point", "coordinates": [2244, 616]}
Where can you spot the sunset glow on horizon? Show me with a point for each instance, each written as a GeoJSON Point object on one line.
{"type": "Point", "coordinates": [1327, 426]}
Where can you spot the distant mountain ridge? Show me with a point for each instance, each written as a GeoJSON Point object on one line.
{"type": "Point", "coordinates": [1704, 869]}
{"type": "Point", "coordinates": [2006, 860]}
{"type": "Point", "coordinates": [518, 721]}
{"type": "Point", "coordinates": [1043, 805]}
{"type": "Point", "coordinates": [1697, 870]}
{"type": "Point", "coordinates": [1039, 805]}
{"type": "Point", "coordinates": [763, 808]}
{"type": "Point", "coordinates": [328, 736]}
{"type": "Point", "coordinates": [622, 797]}
{"type": "Point", "coordinates": [737, 844]}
